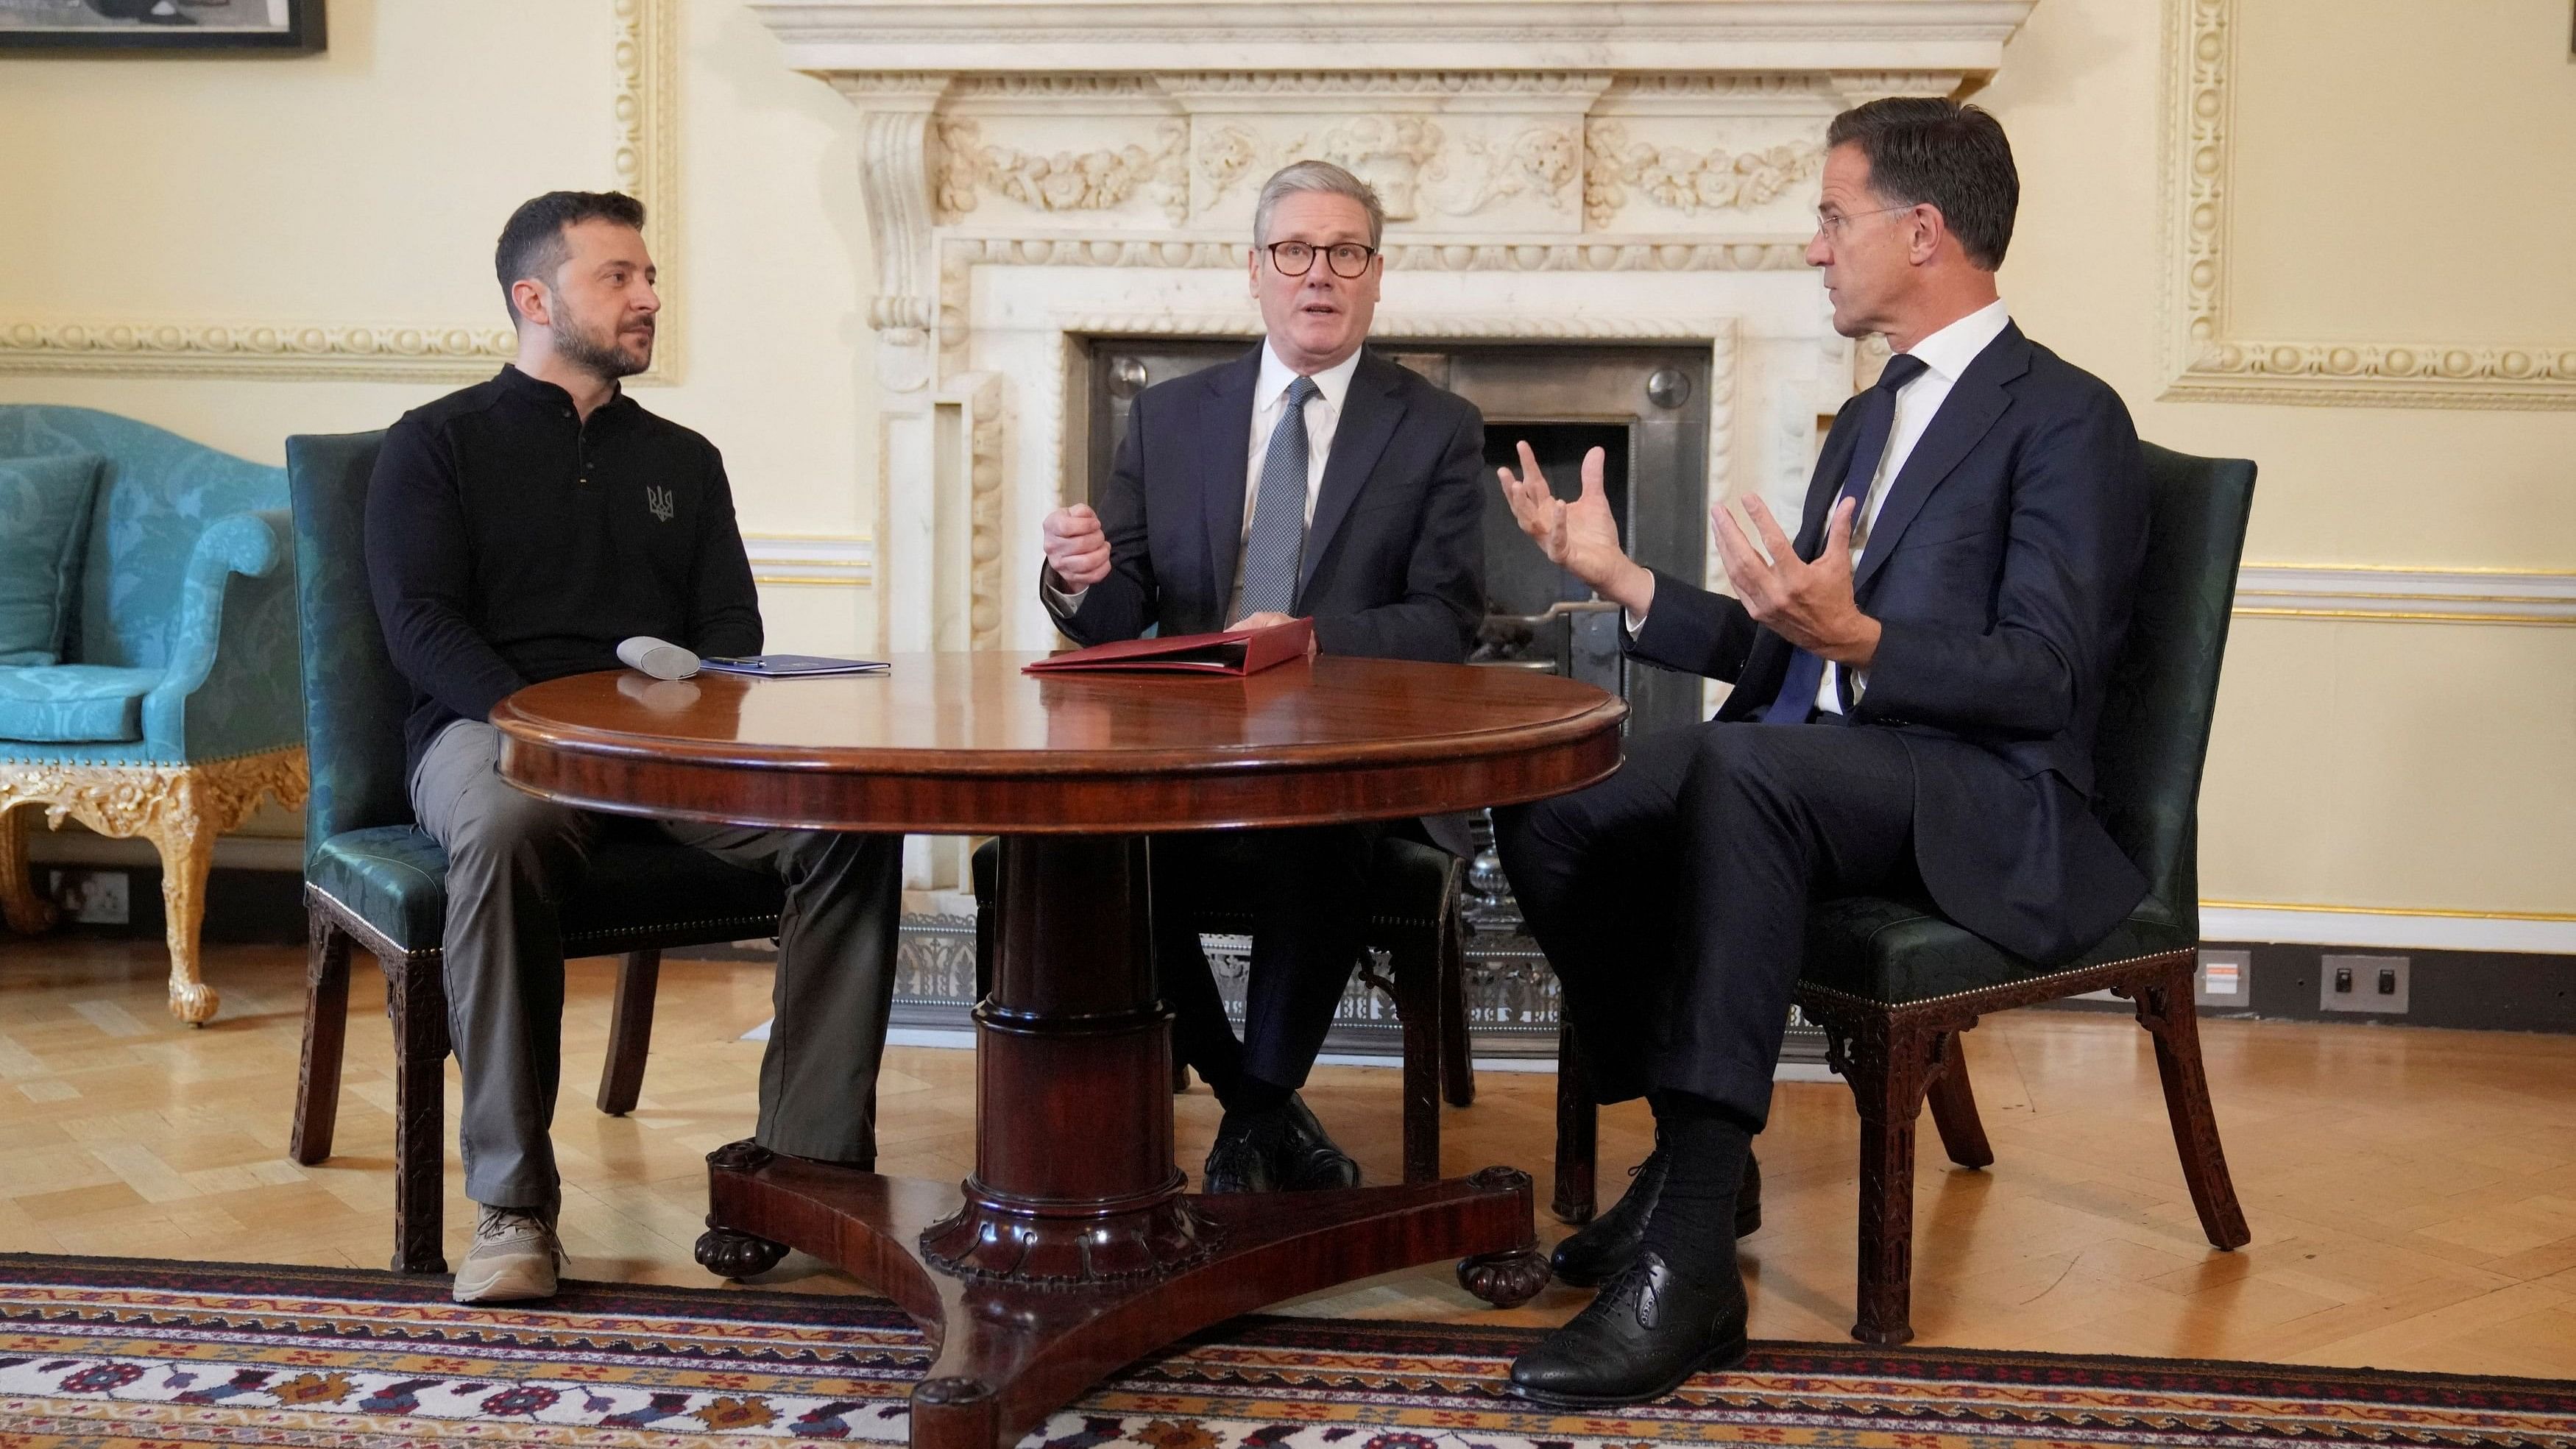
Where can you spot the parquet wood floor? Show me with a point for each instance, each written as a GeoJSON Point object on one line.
{"type": "Point", "coordinates": [2412, 1192]}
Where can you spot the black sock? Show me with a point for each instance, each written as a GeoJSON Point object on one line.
{"type": "Point", "coordinates": [1249, 1094]}
{"type": "Point", "coordinates": [1693, 1226]}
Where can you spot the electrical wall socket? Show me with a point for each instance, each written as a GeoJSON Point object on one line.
{"type": "Point", "coordinates": [2374, 984]}
{"type": "Point", "coordinates": [2225, 978]}
{"type": "Point", "coordinates": [91, 897]}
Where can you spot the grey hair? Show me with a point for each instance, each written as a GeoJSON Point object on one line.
{"type": "Point", "coordinates": [1313, 175]}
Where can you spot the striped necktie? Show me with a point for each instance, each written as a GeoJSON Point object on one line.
{"type": "Point", "coordinates": [1278, 542]}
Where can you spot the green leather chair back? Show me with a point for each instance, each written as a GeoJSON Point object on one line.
{"type": "Point", "coordinates": [354, 700]}
{"type": "Point", "coordinates": [2154, 734]}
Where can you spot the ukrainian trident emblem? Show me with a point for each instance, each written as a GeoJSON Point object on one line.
{"type": "Point", "coordinates": [659, 501]}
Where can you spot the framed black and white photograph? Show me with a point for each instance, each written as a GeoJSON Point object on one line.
{"type": "Point", "coordinates": [270, 25]}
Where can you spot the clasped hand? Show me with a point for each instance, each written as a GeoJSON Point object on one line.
{"type": "Point", "coordinates": [1077, 549]}
{"type": "Point", "coordinates": [1075, 546]}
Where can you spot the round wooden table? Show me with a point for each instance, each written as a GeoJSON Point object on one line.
{"type": "Point", "coordinates": [1073, 1249]}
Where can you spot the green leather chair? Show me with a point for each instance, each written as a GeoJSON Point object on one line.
{"type": "Point", "coordinates": [373, 877]}
{"type": "Point", "coordinates": [1413, 918]}
{"type": "Point", "coordinates": [1893, 985]}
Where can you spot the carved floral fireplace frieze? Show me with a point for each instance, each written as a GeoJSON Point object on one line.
{"type": "Point", "coordinates": [1036, 174]}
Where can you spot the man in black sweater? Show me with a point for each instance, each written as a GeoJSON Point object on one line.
{"type": "Point", "coordinates": [517, 531]}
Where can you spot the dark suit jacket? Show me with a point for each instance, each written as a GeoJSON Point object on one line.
{"type": "Point", "coordinates": [1395, 555]}
{"type": "Point", "coordinates": [1394, 565]}
{"type": "Point", "coordinates": [2000, 570]}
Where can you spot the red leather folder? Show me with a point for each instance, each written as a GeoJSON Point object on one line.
{"type": "Point", "coordinates": [1235, 652]}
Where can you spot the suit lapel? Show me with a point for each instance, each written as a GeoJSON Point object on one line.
{"type": "Point", "coordinates": [1369, 415]}
{"type": "Point", "coordinates": [1975, 401]}
{"type": "Point", "coordinates": [1225, 456]}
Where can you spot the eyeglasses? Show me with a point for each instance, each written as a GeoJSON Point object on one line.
{"type": "Point", "coordinates": [1349, 260]}
{"type": "Point", "coordinates": [1831, 223]}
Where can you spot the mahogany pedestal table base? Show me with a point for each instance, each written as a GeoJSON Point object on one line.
{"type": "Point", "coordinates": [1073, 1248]}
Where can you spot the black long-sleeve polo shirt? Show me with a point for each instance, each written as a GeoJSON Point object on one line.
{"type": "Point", "coordinates": [511, 542]}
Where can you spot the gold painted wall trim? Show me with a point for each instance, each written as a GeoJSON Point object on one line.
{"type": "Point", "coordinates": [825, 560]}
{"type": "Point", "coordinates": [2440, 912]}
{"type": "Point", "coordinates": [643, 162]}
{"type": "Point", "coordinates": [2402, 594]}
{"type": "Point", "coordinates": [2209, 364]}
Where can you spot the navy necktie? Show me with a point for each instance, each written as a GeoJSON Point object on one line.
{"type": "Point", "coordinates": [1272, 557]}
{"type": "Point", "coordinates": [1797, 697]}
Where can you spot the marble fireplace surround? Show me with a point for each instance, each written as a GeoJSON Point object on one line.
{"type": "Point", "coordinates": [1040, 173]}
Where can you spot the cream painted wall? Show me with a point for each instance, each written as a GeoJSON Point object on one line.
{"type": "Point", "coordinates": [367, 185]}
{"type": "Point", "coordinates": [2403, 173]}
{"type": "Point", "coordinates": [2378, 765]}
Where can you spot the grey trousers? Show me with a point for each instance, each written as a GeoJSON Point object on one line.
{"type": "Point", "coordinates": [512, 857]}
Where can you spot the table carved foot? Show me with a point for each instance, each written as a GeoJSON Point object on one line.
{"type": "Point", "coordinates": [1014, 1343]}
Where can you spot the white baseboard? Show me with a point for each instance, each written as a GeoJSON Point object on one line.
{"type": "Point", "coordinates": [2320, 926]}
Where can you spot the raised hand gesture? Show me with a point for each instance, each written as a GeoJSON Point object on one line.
{"type": "Point", "coordinates": [1581, 537]}
{"type": "Point", "coordinates": [1808, 604]}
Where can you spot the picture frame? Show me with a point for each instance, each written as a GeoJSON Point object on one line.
{"type": "Point", "coordinates": [94, 26]}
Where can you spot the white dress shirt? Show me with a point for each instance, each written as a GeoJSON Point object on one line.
{"type": "Point", "coordinates": [1944, 355]}
{"type": "Point", "coordinates": [1269, 400]}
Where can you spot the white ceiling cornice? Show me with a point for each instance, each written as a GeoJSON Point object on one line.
{"type": "Point", "coordinates": [1612, 36]}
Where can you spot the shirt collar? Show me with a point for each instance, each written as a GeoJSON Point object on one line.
{"type": "Point", "coordinates": [1333, 382]}
{"type": "Point", "coordinates": [1950, 350]}
{"type": "Point", "coordinates": [547, 392]}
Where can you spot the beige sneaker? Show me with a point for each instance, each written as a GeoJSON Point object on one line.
{"type": "Point", "coordinates": [515, 1256]}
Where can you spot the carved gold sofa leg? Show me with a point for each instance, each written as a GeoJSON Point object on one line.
{"type": "Point", "coordinates": [180, 809]}
{"type": "Point", "coordinates": [27, 911]}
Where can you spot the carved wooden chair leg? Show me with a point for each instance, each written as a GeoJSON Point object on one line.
{"type": "Point", "coordinates": [2166, 1010]}
{"type": "Point", "coordinates": [1578, 1122]}
{"type": "Point", "coordinates": [326, 1032]}
{"type": "Point", "coordinates": [1954, 1108]}
{"type": "Point", "coordinates": [630, 1032]}
{"type": "Point", "coordinates": [1416, 968]}
{"type": "Point", "coordinates": [21, 904]}
{"type": "Point", "coordinates": [1888, 1088]}
{"type": "Point", "coordinates": [187, 846]}
{"type": "Point", "coordinates": [417, 1001]}
{"type": "Point", "coordinates": [1457, 1052]}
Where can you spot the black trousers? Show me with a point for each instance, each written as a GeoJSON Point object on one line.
{"type": "Point", "coordinates": [1671, 898]}
{"type": "Point", "coordinates": [1306, 891]}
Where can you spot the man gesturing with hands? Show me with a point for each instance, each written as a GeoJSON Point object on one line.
{"type": "Point", "coordinates": [1917, 675]}
{"type": "Point", "coordinates": [1306, 479]}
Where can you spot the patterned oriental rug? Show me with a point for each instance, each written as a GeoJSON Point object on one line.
{"type": "Point", "coordinates": [113, 1353]}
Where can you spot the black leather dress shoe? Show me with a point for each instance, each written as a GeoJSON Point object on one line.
{"type": "Point", "coordinates": [1638, 1340]}
{"type": "Point", "coordinates": [1240, 1159]}
{"type": "Point", "coordinates": [1604, 1247]}
{"type": "Point", "coordinates": [1309, 1159]}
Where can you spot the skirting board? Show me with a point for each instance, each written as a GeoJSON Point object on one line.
{"type": "Point", "coordinates": [2431, 931]}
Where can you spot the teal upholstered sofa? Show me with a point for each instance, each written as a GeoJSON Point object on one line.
{"type": "Point", "coordinates": [171, 702]}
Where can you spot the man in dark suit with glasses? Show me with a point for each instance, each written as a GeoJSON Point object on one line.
{"type": "Point", "coordinates": [1306, 479]}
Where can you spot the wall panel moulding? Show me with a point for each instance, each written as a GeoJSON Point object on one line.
{"type": "Point", "coordinates": [2209, 360]}
{"type": "Point", "coordinates": [639, 138]}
